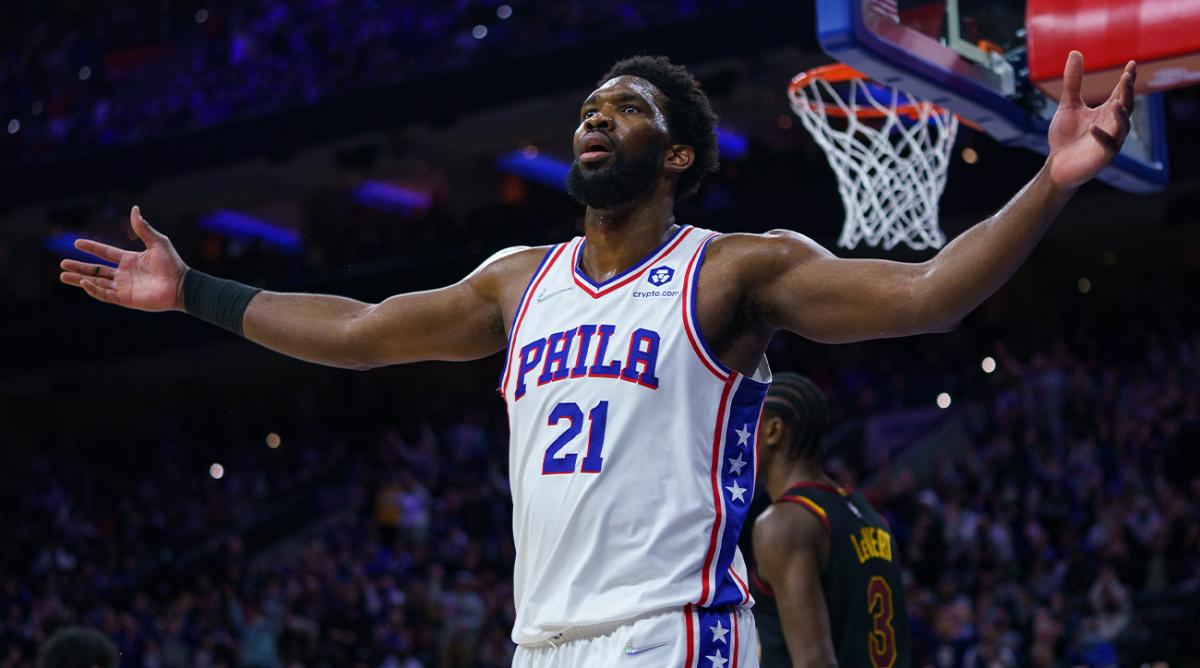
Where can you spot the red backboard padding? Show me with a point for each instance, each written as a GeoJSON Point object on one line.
{"type": "Point", "coordinates": [1163, 36]}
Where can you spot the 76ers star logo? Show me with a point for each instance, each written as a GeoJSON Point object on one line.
{"type": "Point", "coordinates": [661, 275]}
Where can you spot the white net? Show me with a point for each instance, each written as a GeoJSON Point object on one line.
{"type": "Point", "coordinates": [891, 176]}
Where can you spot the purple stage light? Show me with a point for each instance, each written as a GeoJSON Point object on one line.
{"type": "Point", "coordinates": [391, 197]}
{"type": "Point", "coordinates": [535, 167]}
{"type": "Point", "coordinates": [63, 245]}
{"type": "Point", "coordinates": [241, 226]}
{"type": "Point", "coordinates": [732, 144]}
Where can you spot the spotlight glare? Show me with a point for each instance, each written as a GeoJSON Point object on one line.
{"type": "Point", "coordinates": [988, 364]}
{"type": "Point", "coordinates": [201, 15]}
{"type": "Point", "coordinates": [216, 471]}
{"type": "Point", "coordinates": [479, 32]}
{"type": "Point", "coordinates": [530, 151]}
{"type": "Point", "coordinates": [970, 155]}
{"type": "Point", "coordinates": [1084, 285]}
{"type": "Point", "coordinates": [504, 11]}
{"type": "Point", "coordinates": [14, 126]}
{"type": "Point", "coordinates": [85, 73]}
{"type": "Point", "coordinates": [273, 440]}
{"type": "Point", "coordinates": [943, 400]}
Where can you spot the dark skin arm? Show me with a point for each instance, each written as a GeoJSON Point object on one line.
{"type": "Point", "coordinates": [759, 284]}
{"type": "Point", "coordinates": [791, 547]}
{"type": "Point", "coordinates": [464, 321]}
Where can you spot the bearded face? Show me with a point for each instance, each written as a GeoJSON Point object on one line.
{"type": "Point", "coordinates": [617, 178]}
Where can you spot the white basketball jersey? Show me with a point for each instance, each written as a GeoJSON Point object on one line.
{"type": "Point", "coordinates": [632, 456]}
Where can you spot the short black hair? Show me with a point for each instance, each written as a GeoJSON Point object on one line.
{"type": "Point", "coordinates": [802, 406]}
{"type": "Point", "coordinates": [77, 647]}
{"type": "Point", "coordinates": [690, 117]}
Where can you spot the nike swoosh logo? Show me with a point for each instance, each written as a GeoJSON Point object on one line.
{"type": "Point", "coordinates": [630, 650]}
{"type": "Point", "coordinates": [543, 295]}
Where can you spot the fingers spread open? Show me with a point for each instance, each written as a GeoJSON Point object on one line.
{"type": "Point", "coordinates": [103, 293]}
{"type": "Point", "coordinates": [71, 278]}
{"type": "Point", "coordinates": [141, 228]}
{"type": "Point", "coordinates": [1122, 94]}
{"type": "Point", "coordinates": [102, 251]}
{"type": "Point", "coordinates": [88, 269]}
{"type": "Point", "coordinates": [1072, 79]}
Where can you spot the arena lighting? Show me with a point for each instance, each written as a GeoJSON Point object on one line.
{"type": "Point", "coordinates": [63, 244]}
{"type": "Point", "coordinates": [988, 364]}
{"type": "Point", "coordinates": [216, 471]}
{"type": "Point", "coordinates": [539, 168]}
{"type": "Point", "coordinates": [943, 400]}
{"type": "Point", "coordinates": [732, 145]}
{"type": "Point", "coordinates": [241, 226]}
{"type": "Point", "coordinates": [391, 197]}
{"type": "Point", "coordinates": [273, 440]}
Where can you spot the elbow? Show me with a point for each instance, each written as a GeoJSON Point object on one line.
{"type": "Point", "coordinates": [356, 349]}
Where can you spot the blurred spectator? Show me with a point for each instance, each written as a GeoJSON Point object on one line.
{"type": "Point", "coordinates": [76, 647]}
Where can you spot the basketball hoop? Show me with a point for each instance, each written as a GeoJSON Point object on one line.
{"type": "Point", "coordinates": [890, 158]}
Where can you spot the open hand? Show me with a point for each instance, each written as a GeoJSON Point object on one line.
{"type": "Point", "coordinates": [1083, 139]}
{"type": "Point", "coordinates": [147, 281]}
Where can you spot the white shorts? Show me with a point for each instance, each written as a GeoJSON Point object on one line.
{"type": "Point", "coordinates": [689, 638]}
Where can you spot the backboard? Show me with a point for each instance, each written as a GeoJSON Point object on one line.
{"type": "Point", "coordinates": [970, 56]}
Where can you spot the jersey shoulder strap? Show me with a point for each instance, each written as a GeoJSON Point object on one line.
{"type": "Point", "coordinates": [820, 499]}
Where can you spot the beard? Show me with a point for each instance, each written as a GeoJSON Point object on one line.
{"type": "Point", "coordinates": [617, 182]}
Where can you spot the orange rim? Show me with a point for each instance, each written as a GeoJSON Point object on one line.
{"type": "Point", "coordinates": [836, 73]}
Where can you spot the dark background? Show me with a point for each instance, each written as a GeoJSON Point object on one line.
{"type": "Point", "coordinates": [1048, 517]}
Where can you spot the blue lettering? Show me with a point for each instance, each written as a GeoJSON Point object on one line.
{"type": "Point", "coordinates": [645, 358]}
{"type": "Point", "coordinates": [531, 354]}
{"type": "Point", "coordinates": [555, 365]}
{"type": "Point", "coordinates": [585, 341]}
{"type": "Point", "coordinates": [613, 368]}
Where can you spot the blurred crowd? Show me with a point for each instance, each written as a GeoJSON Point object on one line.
{"type": "Point", "coordinates": [76, 76]}
{"type": "Point", "coordinates": [376, 531]}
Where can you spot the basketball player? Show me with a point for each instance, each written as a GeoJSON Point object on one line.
{"type": "Point", "coordinates": [634, 372]}
{"type": "Point", "coordinates": [827, 588]}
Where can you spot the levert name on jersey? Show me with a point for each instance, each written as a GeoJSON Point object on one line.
{"type": "Point", "coordinates": [872, 542]}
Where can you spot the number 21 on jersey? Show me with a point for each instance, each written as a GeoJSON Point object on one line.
{"type": "Point", "coordinates": [593, 459]}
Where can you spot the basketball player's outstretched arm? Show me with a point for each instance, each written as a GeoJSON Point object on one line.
{"type": "Point", "coordinates": [804, 288]}
{"type": "Point", "coordinates": [788, 549]}
{"type": "Point", "coordinates": [460, 322]}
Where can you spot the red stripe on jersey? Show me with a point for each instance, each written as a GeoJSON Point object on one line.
{"type": "Point", "coordinates": [718, 436]}
{"type": "Point", "coordinates": [691, 645]}
{"type": "Point", "coordinates": [524, 306]}
{"type": "Point", "coordinates": [693, 338]}
{"type": "Point", "coordinates": [596, 294]}
{"type": "Point", "coordinates": [812, 508]}
{"type": "Point", "coordinates": [735, 639]}
{"type": "Point", "coordinates": [741, 584]}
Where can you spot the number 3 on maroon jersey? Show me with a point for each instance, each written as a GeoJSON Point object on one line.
{"type": "Point", "coordinates": [882, 638]}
